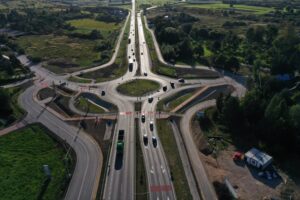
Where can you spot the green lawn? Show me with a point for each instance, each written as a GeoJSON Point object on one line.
{"type": "Point", "coordinates": [83, 104]}
{"type": "Point", "coordinates": [117, 69]}
{"type": "Point", "coordinates": [17, 111]}
{"type": "Point", "coordinates": [169, 145]}
{"type": "Point", "coordinates": [87, 25]}
{"type": "Point", "coordinates": [23, 154]}
{"type": "Point", "coordinates": [138, 87]}
{"type": "Point", "coordinates": [173, 102]}
{"type": "Point", "coordinates": [155, 2]}
{"type": "Point", "coordinates": [69, 53]}
{"type": "Point", "coordinates": [246, 8]}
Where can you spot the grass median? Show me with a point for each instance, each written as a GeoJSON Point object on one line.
{"type": "Point", "coordinates": [23, 154]}
{"type": "Point", "coordinates": [169, 145]}
{"type": "Point", "coordinates": [138, 87]}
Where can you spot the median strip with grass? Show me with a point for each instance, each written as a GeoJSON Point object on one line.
{"type": "Point", "coordinates": [168, 142]}
{"type": "Point", "coordinates": [138, 87]}
{"type": "Point", "coordinates": [23, 154]}
{"type": "Point", "coordinates": [83, 104]}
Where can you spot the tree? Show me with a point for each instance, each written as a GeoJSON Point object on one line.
{"type": "Point", "coordinates": [5, 108]}
{"type": "Point", "coordinates": [95, 34]}
{"type": "Point", "coordinates": [198, 51]}
{"type": "Point", "coordinates": [231, 113]}
{"type": "Point", "coordinates": [232, 63]}
{"type": "Point", "coordinates": [294, 115]}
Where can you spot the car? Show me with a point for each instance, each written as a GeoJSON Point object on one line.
{"type": "Point", "coordinates": [145, 139]}
{"type": "Point", "coordinates": [142, 53]}
{"type": "Point", "coordinates": [181, 80]}
{"type": "Point", "coordinates": [150, 99]}
{"type": "Point", "coordinates": [151, 125]}
{"type": "Point", "coordinates": [165, 88]}
{"type": "Point", "coordinates": [154, 141]}
{"type": "Point", "coordinates": [103, 93]}
{"type": "Point", "coordinates": [145, 74]}
{"type": "Point", "coordinates": [143, 118]}
{"type": "Point", "coordinates": [172, 85]}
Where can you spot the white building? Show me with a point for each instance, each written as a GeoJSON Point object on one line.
{"type": "Point", "coordinates": [258, 159]}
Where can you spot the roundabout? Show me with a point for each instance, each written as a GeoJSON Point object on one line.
{"type": "Point", "coordinates": [138, 87]}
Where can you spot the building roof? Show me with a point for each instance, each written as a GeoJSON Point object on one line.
{"type": "Point", "coordinates": [259, 156]}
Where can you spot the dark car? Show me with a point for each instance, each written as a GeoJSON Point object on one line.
{"type": "Point", "coordinates": [154, 141]}
{"type": "Point", "coordinates": [172, 85]}
{"type": "Point", "coordinates": [103, 93]}
{"type": "Point", "coordinates": [145, 139]}
{"type": "Point", "coordinates": [181, 80]}
{"type": "Point", "coordinates": [150, 99]}
{"type": "Point", "coordinates": [165, 88]}
{"type": "Point", "coordinates": [145, 74]}
{"type": "Point", "coordinates": [151, 126]}
{"type": "Point", "coordinates": [143, 118]}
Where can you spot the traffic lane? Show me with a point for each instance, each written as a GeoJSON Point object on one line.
{"type": "Point", "coordinates": [206, 189]}
{"type": "Point", "coordinates": [86, 173]}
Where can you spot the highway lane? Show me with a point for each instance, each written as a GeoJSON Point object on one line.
{"type": "Point", "coordinates": [85, 179]}
{"type": "Point", "coordinates": [120, 179]}
{"type": "Point", "coordinates": [205, 187]}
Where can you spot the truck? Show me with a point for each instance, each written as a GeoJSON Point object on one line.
{"type": "Point", "coordinates": [120, 142]}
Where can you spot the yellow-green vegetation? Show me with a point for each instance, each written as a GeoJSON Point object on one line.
{"type": "Point", "coordinates": [245, 8]}
{"type": "Point", "coordinates": [15, 111]}
{"type": "Point", "coordinates": [117, 69]}
{"type": "Point", "coordinates": [23, 154]}
{"type": "Point", "coordinates": [155, 2]}
{"type": "Point", "coordinates": [172, 103]}
{"type": "Point", "coordinates": [67, 54]}
{"type": "Point", "coordinates": [87, 25]}
{"type": "Point", "coordinates": [79, 80]}
{"type": "Point", "coordinates": [138, 87]}
{"type": "Point", "coordinates": [83, 104]}
{"type": "Point", "coordinates": [169, 145]}
{"type": "Point", "coordinates": [141, 178]}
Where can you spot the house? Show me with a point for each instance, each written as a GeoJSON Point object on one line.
{"type": "Point", "coordinates": [258, 159]}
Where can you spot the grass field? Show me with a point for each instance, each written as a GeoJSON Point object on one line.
{"type": "Point", "coordinates": [23, 154]}
{"type": "Point", "coordinates": [173, 102]}
{"type": "Point", "coordinates": [141, 178]}
{"type": "Point", "coordinates": [83, 104]}
{"type": "Point", "coordinates": [17, 111]}
{"type": "Point", "coordinates": [245, 8]}
{"type": "Point", "coordinates": [87, 25]}
{"type": "Point", "coordinates": [138, 87]}
{"type": "Point", "coordinates": [155, 2]}
{"type": "Point", "coordinates": [117, 69]}
{"type": "Point", "coordinates": [70, 53]}
{"type": "Point", "coordinates": [170, 148]}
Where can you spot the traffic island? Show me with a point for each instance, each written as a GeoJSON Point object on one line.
{"type": "Point", "coordinates": [138, 87]}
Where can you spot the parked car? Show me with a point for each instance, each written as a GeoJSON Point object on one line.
{"type": "Point", "coordinates": [103, 93]}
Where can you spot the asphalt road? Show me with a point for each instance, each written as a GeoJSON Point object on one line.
{"type": "Point", "coordinates": [85, 179]}
{"type": "Point", "coordinates": [205, 187]}
{"type": "Point", "coordinates": [120, 177]}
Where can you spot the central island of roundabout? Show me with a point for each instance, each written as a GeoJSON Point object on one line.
{"type": "Point", "coordinates": [138, 87]}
